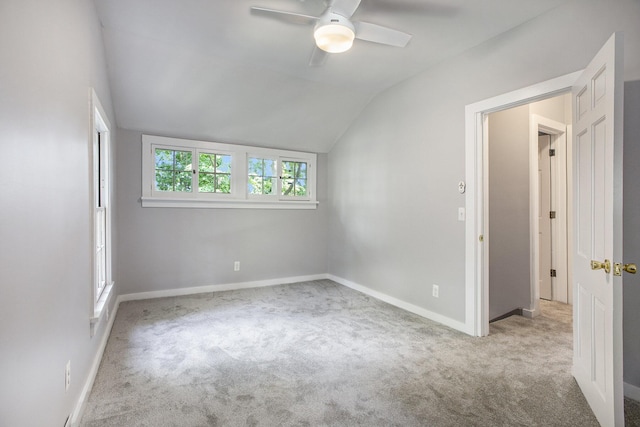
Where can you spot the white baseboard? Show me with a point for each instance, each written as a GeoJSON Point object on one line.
{"type": "Point", "coordinates": [76, 416]}
{"type": "Point", "coordinates": [529, 313]}
{"type": "Point", "coordinates": [460, 326]}
{"type": "Point", "coordinates": [632, 392]}
{"type": "Point", "coordinates": [219, 288]}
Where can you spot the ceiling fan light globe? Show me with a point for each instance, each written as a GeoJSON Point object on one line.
{"type": "Point", "coordinates": [334, 38]}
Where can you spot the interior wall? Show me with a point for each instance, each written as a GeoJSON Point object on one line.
{"type": "Point", "coordinates": [557, 108]}
{"type": "Point", "coordinates": [51, 54]}
{"type": "Point", "coordinates": [172, 248]}
{"type": "Point", "coordinates": [393, 175]}
{"type": "Point", "coordinates": [508, 237]}
{"type": "Point", "coordinates": [631, 230]}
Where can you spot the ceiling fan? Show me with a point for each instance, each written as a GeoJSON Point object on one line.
{"type": "Point", "coordinates": [334, 32]}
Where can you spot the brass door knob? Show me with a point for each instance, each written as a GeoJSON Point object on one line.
{"type": "Point", "coordinates": [629, 268]}
{"type": "Point", "coordinates": [597, 265]}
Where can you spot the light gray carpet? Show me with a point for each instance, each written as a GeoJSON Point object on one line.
{"type": "Point", "coordinates": [317, 353]}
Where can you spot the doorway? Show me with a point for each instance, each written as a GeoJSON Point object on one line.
{"type": "Point", "coordinates": [477, 291]}
{"type": "Point", "coordinates": [526, 233]}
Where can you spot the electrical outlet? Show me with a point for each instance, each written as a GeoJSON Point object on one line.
{"type": "Point", "coordinates": [236, 266]}
{"type": "Point", "coordinates": [435, 291]}
{"type": "Point", "coordinates": [67, 375]}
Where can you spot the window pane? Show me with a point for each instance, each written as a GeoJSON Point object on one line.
{"type": "Point", "coordinates": [256, 166]}
{"type": "Point", "coordinates": [288, 187]}
{"type": "Point", "coordinates": [173, 170]}
{"type": "Point", "coordinates": [164, 180]}
{"type": "Point", "coordinates": [164, 159]}
{"type": "Point", "coordinates": [302, 170]}
{"type": "Point", "coordinates": [287, 169]}
{"type": "Point", "coordinates": [206, 183]}
{"type": "Point", "coordinates": [223, 184]}
{"type": "Point", "coordinates": [183, 160]}
{"type": "Point", "coordinates": [294, 178]}
{"type": "Point", "coordinates": [269, 186]}
{"type": "Point", "coordinates": [301, 187]}
{"type": "Point", "coordinates": [183, 181]}
{"type": "Point", "coordinates": [262, 177]}
{"type": "Point", "coordinates": [207, 162]}
{"type": "Point", "coordinates": [270, 168]}
{"type": "Point", "coordinates": [223, 164]}
{"type": "Point", "coordinates": [255, 185]}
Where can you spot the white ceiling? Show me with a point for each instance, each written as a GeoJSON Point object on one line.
{"type": "Point", "coordinates": [209, 69]}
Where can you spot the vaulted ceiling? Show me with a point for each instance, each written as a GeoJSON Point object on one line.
{"type": "Point", "coordinates": [211, 69]}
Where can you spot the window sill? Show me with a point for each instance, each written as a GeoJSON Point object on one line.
{"type": "Point", "coordinates": [156, 202]}
{"type": "Point", "coordinates": [101, 308]}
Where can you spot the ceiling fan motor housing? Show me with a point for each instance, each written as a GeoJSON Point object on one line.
{"type": "Point", "coordinates": [334, 33]}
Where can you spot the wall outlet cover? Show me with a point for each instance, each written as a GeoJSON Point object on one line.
{"type": "Point", "coordinates": [67, 375]}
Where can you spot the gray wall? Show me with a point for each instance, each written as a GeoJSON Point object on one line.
{"type": "Point", "coordinates": [51, 54]}
{"type": "Point", "coordinates": [393, 176]}
{"type": "Point", "coordinates": [508, 237]}
{"type": "Point", "coordinates": [172, 248]}
{"type": "Point", "coordinates": [631, 227]}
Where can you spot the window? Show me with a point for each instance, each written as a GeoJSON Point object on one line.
{"type": "Point", "coordinates": [294, 179]}
{"type": "Point", "coordinates": [262, 176]}
{"type": "Point", "coordinates": [214, 173]}
{"type": "Point", "coordinates": [184, 173]}
{"type": "Point", "coordinates": [285, 179]}
{"type": "Point", "coordinates": [173, 170]}
{"type": "Point", "coordinates": [101, 283]}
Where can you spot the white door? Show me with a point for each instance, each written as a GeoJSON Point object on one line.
{"type": "Point", "coordinates": [544, 219]}
{"type": "Point", "coordinates": [597, 198]}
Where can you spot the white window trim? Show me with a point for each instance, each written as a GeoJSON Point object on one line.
{"type": "Point", "coordinates": [239, 197]}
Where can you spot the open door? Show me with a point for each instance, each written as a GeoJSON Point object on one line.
{"type": "Point", "coordinates": [597, 225]}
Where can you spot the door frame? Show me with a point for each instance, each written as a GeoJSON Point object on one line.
{"type": "Point", "coordinates": [476, 163]}
{"type": "Point", "coordinates": [559, 133]}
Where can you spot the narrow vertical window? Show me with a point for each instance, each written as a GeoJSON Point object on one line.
{"type": "Point", "coordinates": [100, 215]}
{"type": "Point", "coordinates": [102, 283]}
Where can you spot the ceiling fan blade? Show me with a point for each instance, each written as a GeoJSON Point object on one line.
{"type": "Point", "coordinates": [318, 57]}
{"type": "Point", "coordinates": [379, 34]}
{"type": "Point", "coordinates": [345, 8]}
{"type": "Point", "coordinates": [295, 18]}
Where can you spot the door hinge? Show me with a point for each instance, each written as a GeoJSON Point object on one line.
{"type": "Point", "coordinates": [552, 152]}
{"type": "Point", "coordinates": [553, 272]}
{"type": "Point", "coordinates": [552, 214]}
